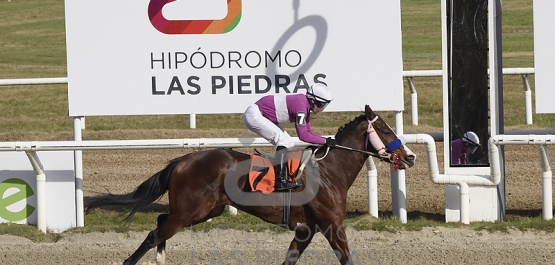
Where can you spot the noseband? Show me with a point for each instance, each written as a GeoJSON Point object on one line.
{"type": "Point", "coordinates": [384, 151]}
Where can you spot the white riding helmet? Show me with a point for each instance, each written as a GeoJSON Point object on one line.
{"type": "Point", "coordinates": [473, 139]}
{"type": "Point", "coordinates": [321, 94]}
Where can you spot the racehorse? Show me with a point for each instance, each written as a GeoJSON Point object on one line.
{"type": "Point", "coordinates": [199, 189]}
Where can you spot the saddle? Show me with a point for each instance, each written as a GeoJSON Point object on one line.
{"type": "Point", "coordinates": [262, 176]}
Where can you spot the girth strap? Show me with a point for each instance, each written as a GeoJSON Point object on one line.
{"type": "Point", "coordinates": [286, 207]}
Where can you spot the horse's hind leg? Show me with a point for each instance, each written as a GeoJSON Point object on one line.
{"type": "Point", "coordinates": [150, 241]}
{"type": "Point", "coordinates": [168, 226]}
{"type": "Point", "coordinates": [161, 248]}
{"type": "Point", "coordinates": [156, 238]}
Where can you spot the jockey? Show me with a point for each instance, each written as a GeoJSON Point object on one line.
{"type": "Point", "coordinates": [264, 116]}
{"type": "Point", "coordinates": [462, 148]}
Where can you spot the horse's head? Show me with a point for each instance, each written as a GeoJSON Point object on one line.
{"type": "Point", "coordinates": [383, 141]}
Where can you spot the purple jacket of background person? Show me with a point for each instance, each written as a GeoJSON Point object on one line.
{"type": "Point", "coordinates": [458, 152]}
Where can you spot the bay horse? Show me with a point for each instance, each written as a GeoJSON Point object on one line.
{"type": "Point", "coordinates": [198, 187]}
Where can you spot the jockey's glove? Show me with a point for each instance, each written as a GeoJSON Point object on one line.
{"type": "Point", "coordinates": [331, 142]}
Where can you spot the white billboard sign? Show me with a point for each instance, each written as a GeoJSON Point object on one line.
{"type": "Point", "coordinates": [544, 55]}
{"type": "Point", "coordinates": [137, 57]}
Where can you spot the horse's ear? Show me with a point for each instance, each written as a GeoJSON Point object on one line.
{"type": "Point", "coordinates": [369, 113]}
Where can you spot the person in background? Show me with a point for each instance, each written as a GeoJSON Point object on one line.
{"type": "Point", "coordinates": [462, 148]}
{"type": "Point", "coordinates": [265, 116]}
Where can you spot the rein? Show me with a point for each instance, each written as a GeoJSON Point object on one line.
{"type": "Point", "coordinates": [361, 151]}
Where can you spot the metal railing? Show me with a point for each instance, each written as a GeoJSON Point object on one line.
{"type": "Point", "coordinates": [408, 75]}
{"type": "Point", "coordinates": [524, 72]}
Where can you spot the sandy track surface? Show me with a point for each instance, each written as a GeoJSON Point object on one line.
{"type": "Point", "coordinates": [429, 246]}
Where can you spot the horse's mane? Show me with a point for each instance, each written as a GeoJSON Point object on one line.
{"type": "Point", "coordinates": [345, 128]}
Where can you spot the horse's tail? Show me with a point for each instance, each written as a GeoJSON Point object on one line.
{"type": "Point", "coordinates": [145, 194]}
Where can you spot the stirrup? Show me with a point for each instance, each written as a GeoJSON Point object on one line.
{"type": "Point", "coordinates": [287, 185]}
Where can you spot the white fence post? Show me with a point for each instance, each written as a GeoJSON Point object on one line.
{"type": "Point", "coordinates": [413, 101]}
{"type": "Point", "coordinates": [78, 157]}
{"type": "Point", "coordinates": [372, 175]}
{"type": "Point", "coordinates": [192, 121]}
{"type": "Point", "coordinates": [527, 98]}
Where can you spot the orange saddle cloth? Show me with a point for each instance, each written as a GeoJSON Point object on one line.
{"type": "Point", "coordinates": [262, 176]}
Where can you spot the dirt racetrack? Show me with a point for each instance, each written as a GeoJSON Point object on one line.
{"type": "Point", "coordinates": [121, 171]}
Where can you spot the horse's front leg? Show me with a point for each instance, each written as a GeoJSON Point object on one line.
{"type": "Point", "coordinates": [303, 237]}
{"type": "Point", "coordinates": [337, 238]}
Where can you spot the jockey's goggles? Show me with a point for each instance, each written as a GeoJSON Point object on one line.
{"type": "Point", "coordinates": [473, 147]}
{"type": "Point", "coordinates": [321, 104]}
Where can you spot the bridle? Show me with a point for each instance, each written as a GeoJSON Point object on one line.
{"type": "Point", "coordinates": [385, 152]}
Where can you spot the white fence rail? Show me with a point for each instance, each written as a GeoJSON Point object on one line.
{"type": "Point", "coordinates": [33, 81]}
{"type": "Point", "coordinates": [408, 75]}
{"type": "Point", "coordinates": [524, 72]}
{"type": "Point", "coordinates": [493, 179]}
{"type": "Point", "coordinates": [30, 148]}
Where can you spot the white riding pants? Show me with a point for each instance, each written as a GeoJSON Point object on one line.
{"type": "Point", "coordinates": [273, 133]}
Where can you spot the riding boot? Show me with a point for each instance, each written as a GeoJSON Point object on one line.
{"type": "Point", "coordinates": [282, 176]}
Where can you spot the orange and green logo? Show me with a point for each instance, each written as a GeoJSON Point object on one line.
{"type": "Point", "coordinates": [227, 24]}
